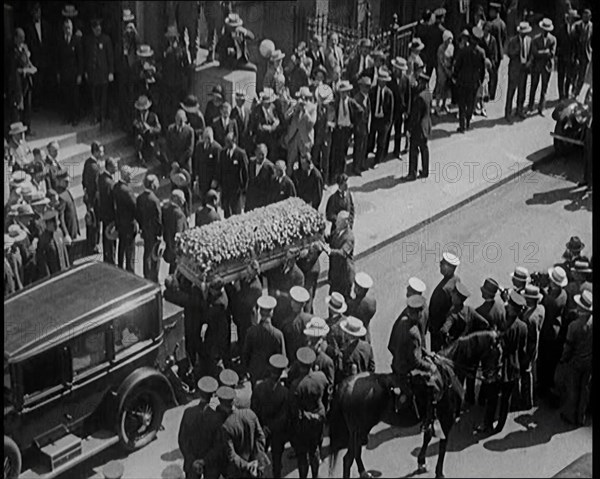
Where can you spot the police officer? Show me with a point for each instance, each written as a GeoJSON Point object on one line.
{"type": "Point", "coordinates": [270, 401]}
{"type": "Point", "coordinates": [441, 299]}
{"type": "Point", "coordinates": [461, 319]}
{"type": "Point", "coordinates": [357, 354]}
{"type": "Point", "coordinates": [295, 323]}
{"type": "Point", "coordinates": [361, 305]}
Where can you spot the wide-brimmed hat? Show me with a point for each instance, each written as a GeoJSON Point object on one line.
{"type": "Point", "coordinates": [299, 294]}
{"type": "Point", "coordinates": [366, 81]}
{"type": "Point", "coordinates": [400, 63]}
{"type": "Point", "coordinates": [267, 95]}
{"type": "Point", "coordinates": [111, 232]}
{"type": "Point", "coordinates": [365, 42]}
{"type": "Point", "coordinates": [158, 250]}
{"type": "Point", "coordinates": [416, 44]}
{"type": "Point", "coordinates": [190, 104]}
{"type": "Point", "coordinates": [277, 55]}
{"type": "Point", "coordinates": [69, 11]}
{"type": "Point", "coordinates": [172, 31]}
{"type": "Point", "coordinates": [344, 86]}
{"type": "Point", "coordinates": [16, 233]}
{"type": "Point", "coordinates": [581, 266]}
{"type": "Point", "coordinates": [142, 103]}
{"type": "Point", "coordinates": [144, 51]}
{"type": "Point", "coordinates": [353, 326]}
{"type": "Point", "coordinates": [19, 177]}
{"type": "Point", "coordinates": [234, 20]}
{"type": "Point", "coordinates": [546, 24]}
{"type": "Point", "coordinates": [325, 93]}
{"type": "Point", "coordinates": [532, 292]}
{"type": "Point", "coordinates": [558, 276]}
{"type": "Point", "coordinates": [180, 178]}
{"type": "Point", "coordinates": [304, 92]}
{"type": "Point", "coordinates": [363, 280]}
{"type": "Point", "coordinates": [477, 31]}
{"type": "Point", "coordinates": [520, 274]}
{"type": "Point", "coordinates": [524, 27]}
{"type": "Point", "coordinates": [490, 286]}
{"type": "Point", "coordinates": [128, 16]}
{"type": "Point", "coordinates": [316, 328]}
{"type": "Point", "coordinates": [585, 300]}
{"type": "Point", "coordinates": [336, 303]}
{"type": "Point", "coordinates": [17, 128]}
{"type": "Point", "coordinates": [575, 244]}
{"type": "Point", "coordinates": [383, 75]}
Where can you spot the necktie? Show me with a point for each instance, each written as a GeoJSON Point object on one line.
{"type": "Point", "coordinates": [362, 64]}
{"type": "Point", "coordinates": [379, 101]}
{"type": "Point", "coordinates": [67, 39]}
{"type": "Point", "coordinates": [241, 112]}
{"type": "Point", "coordinates": [345, 108]}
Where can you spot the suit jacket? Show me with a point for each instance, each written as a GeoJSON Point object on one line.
{"type": "Point", "coordinates": [52, 255]}
{"type": "Point", "coordinates": [513, 50]}
{"type": "Point", "coordinates": [419, 120]}
{"type": "Point", "coordinates": [334, 57]}
{"type": "Point", "coordinates": [337, 203]}
{"type": "Point", "coordinates": [260, 118]}
{"type": "Point", "coordinates": [243, 125]}
{"type": "Point", "coordinates": [470, 67]}
{"type": "Point", "coordinates": [69, 221]}
{"type": "Point", "coordinates": [125, 212]}
{"type": "Point", "coordinates": [341, 258]}
{"type": "Point", "coordinates": [354, 108]}
{"type": "Point", "coordinates": [309, 186]}
{"type": "Point", "coordinates": [89, 181]}
{"type": "Point", "coordinates": [494, 312]}
{"type": "Point", "coordinates": [220, 132]}
{"type": "Point", "coordinates": [401, 90]}
{"type": "Point", "coordinates": [196, 121]}
{"type": "Point", "coordinates": [69, 58]}
{"type": "Point", "coordinates": [299, 76]}
{"type": "Point", "coordinates": [363, 308]}
{"type": "Point", "coordinates": [151, 120]}
{"type": "Point", "coordinates": [211, 112]}
{"type": "Point", "coordinates": [206, 215]}
{"type": "Point", "coordinates": [498, 31]}
{"type": "Point", "coordinates": [325, 114]}
{"type": "Point", "coordinates": [352, 70]}
{"type": "Point", "coordinates": [99, 59]}
{"type": "Point", "coordinates": [284, 188]}
{"type": "Point", "coordinates": [174, 221]}
{"type": "Point", "coordinates": [106, 205]}
{"type": "Point", "coordinates": [358, 352]}
{"type": "Point", "coordinates": [244, 441]}
{"type": "Point", "coordinates": [564, 41]}
{"type": "Point", "coordinates": [149, 215]}
{"type": "Point", "coordinates": [262, 341]}
{"type": "Point", "coordinates": [514, 342]}
{"type": "Point", "coordinates": [180, 145]}
{"type": "Point", "coordinates": [361, 126]}
{"type": "Point", "coordinates": [40, 51]}
{"type": "Point", "coordinates": [261, 188]}
{"type": "Point", "coordinates": [232, 172]}
{"type": "Point", "coordinates": [582, 38]}
{"type": "Point", "coordinates": [318, 58]}
{"type": "Point", "coordinates": [543, 51]}
{"type": "Point", "coordinates": [301, 127]}
{"type": "Point", "coordinates": [492, 51]}
{"type": "Point", "coordinates": [387, 101]}
{"type": "Point", "coordinates": [205, 164]}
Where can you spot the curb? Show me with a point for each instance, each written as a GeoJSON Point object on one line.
{"type": "Point", "coordinates": [536, 159]}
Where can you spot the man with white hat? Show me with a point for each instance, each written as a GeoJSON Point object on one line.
{"type": "Point", "coordinates": [232, 49]}
{"type": "Point", "coordinates": [382, 108]}
{"type": "Point", "coordinates": [577, 359]}
{"type": "Point", "coordinates": [346, 111]}
{"type": "Point", "coordinates": [361, 305]}
{"type": "Point", "coordinates": [543, 50]}
{"type": "Point", "coordinates": [441, 298]}
{"type": "Point", "coordinates": [262, 341]}
{"type": "Point", "coordinates": [51, 254]}
{"type": "Point", "coordinates": [400, 86]}
{"type": "Point", "coordinates": [295, 321]}
{"type": "Point", "coordinates": [414, 287]}
{"type": "Point", "coordinates": [357, 354]}
{"type": "Point", "coordinates": [315, 333]}
{"type": "Point", "coordinates": [461, 319]}
{"type": "Point", "coordinates": [518, 50]}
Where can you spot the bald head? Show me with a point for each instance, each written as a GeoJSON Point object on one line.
{"type": "Point", "coordinates": [151, 182]}
{"type": "Point", "coordinates": [208, 134]}
{"type": "Point", "coordinates": [280, 168]}
{"type": "Point", "coordinates": [19, 36]}
{"type": "Point", "coordinates": [178, 197]}
{"type": "Point", "coordinates": [180, 118]}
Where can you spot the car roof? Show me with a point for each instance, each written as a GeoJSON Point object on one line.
{"type": "Point", "coordinates": [39, 316]}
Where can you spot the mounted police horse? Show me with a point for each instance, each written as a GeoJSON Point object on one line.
{"type": "Point", "coordinates": [361, 401]}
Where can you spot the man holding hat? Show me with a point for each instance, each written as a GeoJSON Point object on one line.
{"type": "Point", "coordinates": [577, 360]}
{"type": "Point", "coordinates": [106, 207]}
{"type": "Point", "coordinates": [361, 125]}
{"type": "Point", "coordinates": [469, 70]}
{"type": "Point", "coordinates": [232, 48]}
{"type": "Point", "coordinates": [174, 221]}
{"type": "Point", "coordinates": [300, 137]}
{"type": "Point", "coordinates": [299, 70]}
{"type": "Point", "coordinates": [360, 62]}
{"type": "Point", "coordinates": [270, 402]}
{"type": "Point", "coordinates": [518, 50]}
{"type": "Point", "coordinates": [180, 142]}
{"type": "Point", "coordinates": [361, 305]}
{"type": "Point", "coordinates": [441, 298]}
{"type": "Point", "coordinates": [99, 68]}
{"type": "Point", "coordinates": [146, 129]}
{"type": "Point", "coordinates": [125, 219]}
{"type": "Point", "coordinates": [419, 128]}
{"type": "Point", "coordinates": [357, 354]}
{"type": "Point", "coordinates": [52, 255]}
{"type": "Point", "coordinates": [69, 223]}
{"type": "Point", "coordinates": [461, 319]}
{"type": "Point", "coordinates": [69, 65]}
{"type": "Point", "coordinates": [294, 323]}
{"type": "Point", "coordinates": [543, 50]}
{"type": "Point", "coordinates": [262, 341]}
{"type": "Point", "coordinates": [340, 249]}
{"type": "Point", "coordinates": [400, 86]}
{"type": "Point", "coordinates": [308, 412]}
{"type": "Point", "coordinates": [149, 217]}
{"type": "Point", "coordinates": [382, 108]}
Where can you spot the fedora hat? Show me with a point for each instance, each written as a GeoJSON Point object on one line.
{"type": "Point", "coordinates": [171, 31]}
{"type": "Point", "coordinates": [558, 276]}
{"type": "Point", "coordinates": [344, 86]}
{"type": "Point", "coordinates": [144, 51]}
{"type": "Point", "coordinates": [142, 103]}
{"type": "Point", "coordinates": [111, 232]}
{"type": "Point", "coordinates": [128, 16]}
{"type": "Point", "coordinates": [16, 233]}
{"type": "Point", "coordinates": [520, 274]}
{"type": "Point", "coordinates": [490, 286]}
{"type": "Point", "coordinates": [366, 81]}
{"type": "Point", "coordinates": [416, 44]}
{"type": "Point", "coordinates": [383, 75]}
{"type": "Point", "coordinates": [267, 96]}
{"type": "Point", "coordinates": [353, 326]}
{"type": "Point", "coordinates": [546, 24]}
{"type": "Point", "coordinates": [180, 178]}
{"type": "Point", "coordinates": [400, 63]}
{"type": "Point", "coordinates": [524, 27]}
{"type": "Point", "coordinates": [233, 20]}
{"type": "Point", "coordinates": [190, 104]}
{"type": "Point", "coordinates": [158, 250]}
{"type": "Point", "coordinates": [325, 93]}
{"type": "Point", "coordinates": [575, 244]}
{"type": "Point", "coordinates": [17, 128]}
{"type": "Point", "coordinates": [69, 11]}
{"type": "Point", "coordinates": [316, 328]}
{"type": "Point", "coordinates": [336, 303]}
{"type": "Point", "coordinates": [277, 55]}
{"type": "Point", "coordinates": [532, 292]}
{"type": "Point", "coordinates": [585, 300]}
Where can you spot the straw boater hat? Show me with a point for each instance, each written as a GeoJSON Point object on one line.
{"type": "Point", "coordinates": [190, 104]}
{"type": "Point", "coordinates": [233, 20]}
{"type": "Point", "coordinates": [69, 11]}
{"type": "Point", "coordinates": [16, 233]}
{"type": "Point", "coordinates": [416, 44]}
{"type": "Point", "coordinates": [142, 103]}
{"type": "Point", "coordinates": [532, 292]}
{"type": "Point", "coordinates": [582, 266]}
{"type": "Point", "coordinates": [344, 86]}
{"type": "Point", "coordinates": [316, 328]}
{"type": "Point", "coordinates": [520, 274]}
{"type": "Point", "coordinates": [400, 63]}
{"type": "Point", "coordinates": [558, 276]}
{"type": "Point", "coordinates": [144, 51]}
{"type": "Point", "coordinates": [336, 303]}
{"type": "Point", "coordinates": [111, 232]}
{"type": "Point", "coordinates": [267, 96]}
{"type": "Point", "coordinates": [546, 24]}
{"type": "Point", "coordinates": [524, 27]}
{"type": "Point", "coordinates": [353, 326]}
{"type": "Point", "coordinates": [128, 16]}
{"type": "Point", "coordinates": [277, 55]}
{"type": "Point", "coordinates": [17, 128]}
{"type": "Point", "coordinates": [383, 75]}
{"type": "Point", "coordinates": [585, 300]}
{"type": "Point", "coordinates": [325, 93]}
{"type": "Point", "coordinates": [158, 250]}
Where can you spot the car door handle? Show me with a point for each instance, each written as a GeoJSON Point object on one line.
{"type": "Point", "coordinates": [68, 417]}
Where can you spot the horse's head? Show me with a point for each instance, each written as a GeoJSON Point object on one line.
{"type": "Point", "coordinates": [481, 346]}
{"type": "Point", "coordinates": [491, 355]}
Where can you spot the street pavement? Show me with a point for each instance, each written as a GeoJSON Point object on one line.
{"type": "Point", "coordinates": [526, 222]}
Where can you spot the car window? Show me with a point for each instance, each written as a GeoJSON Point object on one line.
{"type": "Point", "coordinates": [88, 350]}
{"type": "Point", "coordinates": [136, 325]}
{"type": "Point", "coordinates": [42, 371]}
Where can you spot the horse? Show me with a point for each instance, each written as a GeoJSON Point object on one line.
{"type": "Point", "coordinates": [361, 400]}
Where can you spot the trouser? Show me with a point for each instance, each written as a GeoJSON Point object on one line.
{"type": "Point", "coordinates": [500, 391]}
{"type": "Point", "coordinates": [172, 267]}
{"type": "Point", "coordinates": [379, 130]}
{"type": "Point", "coordinates": [360, 152]}
{"type": "Point", "coordinates": [339, 149]}
{"type": "Point", "coordinates": [99, 101]}
{"type": "Point", "coordinates": [108, 246]}
{"type": "Point", "coordinates": [92, 235]}
{"type": "Point", "coordinates": [172, 95]}
{"type": "Point", "coordinates": [418, 144]}
{"type": "Point", "coordinates": [191, 333]}
{"type": "Point", "coordinates": [231, 204]}
{"type": "Point", "coordinates": [565, 76]}
{"type": "Point", "coordinates": [437, 341]}
{"type": "Point", "coordinates": [146, 146]}
{"type": "Point", "coordinates": [150, 264]}
{"type": "Point", "coordinates": [277, 442]}
{"type": "Point", "coordinates": [493, 84]}
{"type": "Point", "coordinates": [23, 115]}
{"type": "Point", "coordinates": [577, 389]}
{"type": "Point", "coordinates": [516, 84]}
{"type": "Point", "coordinates": [548, 356]}
{"type": "Point", "coordinates": [466, 105]}
{"type": "Point", "coordinates": [320, 158]}
{"type": "Point", "coordinates": [581, 69]}
{"type": "Point", "coordinates": [311, 280]}
{"type": "Point", "coordinates": [126, 250]}
{"type": "Point", "coordinates": [308, 434]}
{"type": "Point", "coordinates": [526, 386]}
{"type": "Point", "coordinates": [398, 122]}
{"type": "Point", "coordinates": [70, 97]}
{"type": "Point", "coordinates": [535, 80]}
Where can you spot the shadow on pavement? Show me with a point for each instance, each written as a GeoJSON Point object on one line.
{"type": "Point", "coordinates": [385, 183]}
{"type": "Point", "coordinates": [390, 433]}
{"type": "Point", "coordinates": [577, 198]}
{"type": "Point", "coordinates": [171, 456]}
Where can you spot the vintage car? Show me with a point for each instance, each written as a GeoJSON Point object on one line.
{"type": "Point", "coordinates": [87, 364]}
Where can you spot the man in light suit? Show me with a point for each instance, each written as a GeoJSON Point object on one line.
{"type": "Point", "coordinates": [333, 54]}
{"type": "Point", "coordinates": [241, 115]}
{"type": "Point", "coordinates": [360, 62]}
{"type": "Point", "coordinates": [261, 180]}
{"type": "Point", "coordinates": [382, 108]}
{"type": "Point", "coordinates": [519, 53]}
{"type": "Point", "coordinates": [300, 135]}
{"type": "Point", "coordinates": [543, 50]}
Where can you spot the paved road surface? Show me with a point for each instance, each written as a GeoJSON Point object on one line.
{"type": "Point", "coordinates": [525, 222]}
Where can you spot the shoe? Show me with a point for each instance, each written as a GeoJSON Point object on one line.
{"type": "Point", "coordinates": [508, 118]}
{"type": "Point", "coordinates": [541, 113]}
{"type": "Point", "coordinates": [483, 429]}
{"type": "Point", "coordinates": [521, 114]}
{"type": "Point", "coordinates": [484, 113]}
{"type": "Point", "coordinates": [422, 174]}
{"type": "Point", "coordinates": [460, 129]}
{"type": "Point", "coordinates": [410, 178]}
{"type": "Point", "coordinates": [581, 184]}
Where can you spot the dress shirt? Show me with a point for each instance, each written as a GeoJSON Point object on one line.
{"type": "Point", "coordinates": [344, 114]}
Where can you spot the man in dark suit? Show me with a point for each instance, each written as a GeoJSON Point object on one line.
{"type": "Point", "coordinates": [205, 161]}
{"type": "Point", "coordinates": [308, 182]}
{"type": "Point", "coordinates": [469, 70]}
{"type": "Point", "coordinates": [582, 37]}
{"type": "Point", "coordinates": [261, 180]}
{"type": "Point", "coordinates": [232, 176]}
{"type": "Point", "coordinates": [241, 115]}
{"type": "Point", "coordinates": [208, 213]}
{"type": "Point", "coordinates": [518, 50]}
{"type": "Point", "coordinates": [341, 256]}
{"type": "Point", "coordinates": [89, 181]}
{"type": "Point", "coordinates": [106, 207]}
{"type": "Point", "coordinates": [174, 221]}
{"type": "Point", "coordinates": [39, 40]}
{"type": "Point", "coordinates": [346, 113]}
{"type": "Point", "coordinates": [372, 71]}
{"type": "Point", "coordinates": [283, 186]}
{"type": "Point", "coordinates": [125, 219]}
{"type": "Point", "coordinates": [419, 127]}
{"type": "Point", "coordinates": [565, 53]}
{"type": "Point", "coordinates": [146, 129]}
{"type": "Point", "coordinates": [323, 131]}
{"type": "Point", "coordinates": [315, 53]}
{"type": "Point", "coordinates": [441, 299]}
{"type": "Point", "coordinates": [149, 216]}
{"type": "Point", "coordinates": [361, 126]}
{"type": "Point", "coordinates": [357, 354]}
{"type": "Point", "coordinates": [99, 68]}
{"type": "Point", "coordinates": [180, 142]}
{"type": "Point", "coordinates": [265, 123]}
{"type": "Point", "coordinates": [492, 53]}
{"type": "Point", "coordinates": [52, 255]}
{"type": "Point", "coordinates": [400, 86]}
{"type": "Point", "coordinates": [543, 50]}
{"type": "Point", "coordinates": [213, 106]}
{"type": "Point", "coordinates": [362, 305]}
{"type": "Point", "coordinates": [69, 64]}
{"type": "Point", "coordinates": [224, 124]}
{"type": "Point", "coordinates": [382, 108]}
{"type": "Point", "coordinates": [359, 63]}
{"type": "Point", "coordinates": [68, 212]}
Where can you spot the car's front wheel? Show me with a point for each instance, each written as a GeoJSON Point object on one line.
{"type": "Point", "coordinates": [12, 459]}
{"type": "Point", "coordinates": [140, 417]}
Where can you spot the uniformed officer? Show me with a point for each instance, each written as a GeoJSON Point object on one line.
{"type": "Point", "coordinates": [293, 326]}
{"type": "Point", "coordinates": [357, 354]}
{"type": "Point", "coordinates": [335, 338]}
{"type": "Point", "coordinates": [416, 286]}
{"type": "Point", "coordinates": [361, 305]}
{"type": "Point", "coordinates": [461, 319]}
{"type": "Point", "coordinates": [270, 402]}
{"type": "Point", "coordinates": [441, 300]}
{"type": "Point", "coordinates": [308, 413]}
